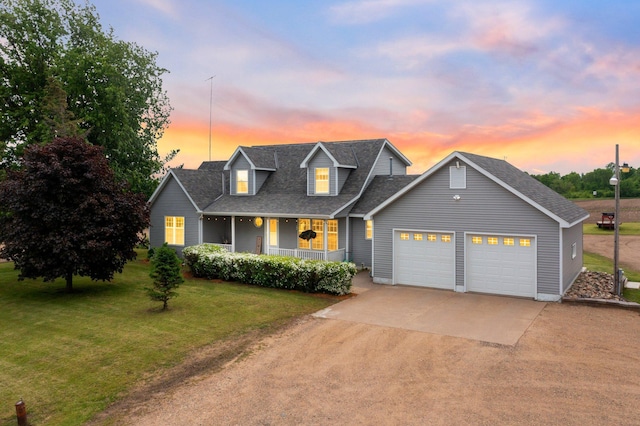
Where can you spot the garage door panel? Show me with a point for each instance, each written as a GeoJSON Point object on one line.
{"type": "Point", "coordinates": [504, 267]}
{"type": "Point", "coordinates": [422, 260]}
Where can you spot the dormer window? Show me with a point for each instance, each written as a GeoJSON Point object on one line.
{"type": "Point", "coordinates": [322, 180]}
{"type": "Point", "coordinates": [242, 181]}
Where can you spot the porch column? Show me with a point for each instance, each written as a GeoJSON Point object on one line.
{"type": "Point", "coordinates": [200, 225]}
{"type": "Point", "coordinates": [233, 234]}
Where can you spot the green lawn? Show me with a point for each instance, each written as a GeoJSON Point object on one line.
{"type": "Point", "coordinates": [631, 228]}
{"type": "Point", "coordinates": [70, 355]}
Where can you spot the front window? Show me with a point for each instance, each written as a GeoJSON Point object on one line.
{"type": "Point", "coordinates": [242, 181]}
{"type": "Point", "coordinates": [318, 227]}
{"type": "Point", "coordinates": [304, 225]}
{"type": "Point", "coordinates": [332, 235]}
{"type": "Point", "coordinates": [174, 230]}
{"type": "Point", "coordinates": [322, 180]}
{"type": "Point", "coordinates": [369, 229]}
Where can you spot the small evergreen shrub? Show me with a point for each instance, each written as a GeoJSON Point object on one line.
{"type": "Point", "coordinates": [313, 276]}
{"type": "Point", "coordinates": [166, 274]}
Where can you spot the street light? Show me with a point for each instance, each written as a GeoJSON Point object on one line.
{"type": "Point", "coordinates": [615, 181]}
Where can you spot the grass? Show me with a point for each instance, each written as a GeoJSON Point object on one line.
{"type": "Point", "coordinates": [71, 355]}
{"type": "Point", "coordinates": [631, 228]}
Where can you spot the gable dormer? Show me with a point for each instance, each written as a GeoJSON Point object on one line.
{"type": "Point", "coordinates": [328, 167]}
{"type": "Point", "coordinates": [248, 168]}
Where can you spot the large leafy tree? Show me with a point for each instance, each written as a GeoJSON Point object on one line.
{"type": "Point", "coordinates": [64, 213]}
{"type": "Point", "coordinates": [60, 70]}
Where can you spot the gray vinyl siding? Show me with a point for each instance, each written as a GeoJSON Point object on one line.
{"type": "Point", "coordinates": [343, 174]}
{"type": "Point", "coordinates": [319, 160]}
{"type": "Point", "coordinates": [216, 230]}
{"type": "Point", "coordinates": [260, 177]}
{"type": "Point", "coordinates": [382, 166]}
{"type": "Point", "coordinates": [360, 246]}
{"type": "Point", "coordinates": [288, 233]}
{"type": "Point", "coordinates": [172, 201]}
{"type": "Point", "coordinates": [484, 207]}
{"type": "Point", "coordinates": [241, 163]}
{"type": "Point", "coordinates": [571, 267]}
{"type": "Point", "coordinates": [246, 234]}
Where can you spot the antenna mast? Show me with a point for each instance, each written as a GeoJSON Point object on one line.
{"type": "Point", "coordinates": [210, 108]}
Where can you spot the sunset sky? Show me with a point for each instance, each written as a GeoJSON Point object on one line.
{"type": "Point", "coordinates": [546, 85]}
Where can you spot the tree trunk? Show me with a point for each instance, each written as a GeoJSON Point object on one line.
{"type": "Point", "coordinates": [69, 279]}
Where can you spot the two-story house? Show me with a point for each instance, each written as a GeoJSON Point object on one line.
{"type": "Point", "coordinates": [470, 223]}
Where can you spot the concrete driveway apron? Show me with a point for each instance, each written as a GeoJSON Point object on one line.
{"type": "Point", "coordinates": [495, 319]}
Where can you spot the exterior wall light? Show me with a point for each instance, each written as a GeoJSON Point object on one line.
{"type": "Point", "coordinates": [456, 197]}
{"type": "Point", "coordinates": [257, 222]}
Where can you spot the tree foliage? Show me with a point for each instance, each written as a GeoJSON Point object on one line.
{"type": "Point", "coordinates": [61, 75]}
{"type": "Point", "coordinates": [574, 185]}
{"type": "Point", "coordinates": [166, 274]}
{"type": "Point", "coordinates": [64, 213]}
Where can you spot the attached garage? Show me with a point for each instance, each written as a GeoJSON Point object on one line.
{"type": "Point", "coordinates": [501, 264]}
{"type": "Point", "coordinates": [424, 258]}
{"type": "Point", "coordinates": [510, 234]}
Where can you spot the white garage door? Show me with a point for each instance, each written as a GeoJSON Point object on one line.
{"type": "Point", "coordinates": [424, 259]}
{"type": "Point", "coordinates": [501, 264]}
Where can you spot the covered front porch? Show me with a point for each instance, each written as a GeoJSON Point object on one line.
{"type": "Point", "coordinates": [277, 236]}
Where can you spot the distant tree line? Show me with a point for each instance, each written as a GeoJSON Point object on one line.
{"type": "Point", "coordinates": [594, 184]}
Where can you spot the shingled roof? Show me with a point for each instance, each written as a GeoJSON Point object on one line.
{"type": "Point", "coordinates": [511, 178]}
{"type": "Point", "coordinates": [202, 186]}
{"type": "Point", "coordinates": [529, 187]}
{"type": "Point", "coordinates": [284, 192]}
{"type": "Point", "coordinates": [381, 188]}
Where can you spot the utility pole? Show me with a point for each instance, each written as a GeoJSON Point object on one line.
{"type": "Point", "coordinates": [210, 109]}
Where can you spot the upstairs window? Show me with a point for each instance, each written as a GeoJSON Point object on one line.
{"type": "Point", "coordinates": [174, 230]}
{"type": "Point", "coordinates": [242, 181]}
{"type": "Point", "coordinates": [457, 177]}
{"type": "Point", "coordinates": [322, 180]}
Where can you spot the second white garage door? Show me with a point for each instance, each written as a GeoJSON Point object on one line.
{"type": "Point", "coordinates": [501, 264]}
{"type": "Point", "coordinates": [424, 259]}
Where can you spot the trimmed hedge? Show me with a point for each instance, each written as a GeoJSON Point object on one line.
{"type": "Point", "coordinates": [312, 276]}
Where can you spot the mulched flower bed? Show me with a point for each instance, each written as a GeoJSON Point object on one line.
{"type": "Point", "coordinates": [593, 285]}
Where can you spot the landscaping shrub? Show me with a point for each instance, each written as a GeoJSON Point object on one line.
{"type": "Point", "coordinates": [313, 276]}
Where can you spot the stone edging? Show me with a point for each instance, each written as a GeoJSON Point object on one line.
{"type": "Point", "coordinates": [602, 302]}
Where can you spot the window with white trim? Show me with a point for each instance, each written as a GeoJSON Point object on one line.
{"type": "Point", "coordinates": [174, 230]}
{"type": "Point", "coordinates": [417, 237]}
{"type": "Point", "coordinates": [492, 241]}
{"type": "Point", "coordinates": [508, 241]}
{"type": "Point", "coordinates": [445, 238]}
{"type": "Point", "coordinates": [322, 180]}
{"type": "Point", "coordinates": [368, 229]}
{"type": "Point", "coordinates": [432, 237]}
{"type": "Point", "coordinates": [404, 236]}
{"type": "Point", "coordinates": [525, 242]}
{"type": "Point", "coordinates": [318, 227]}
{"type": "Point", "coordinates": [242, 181]}
{"type": "Point", "coordinates": [476, 240]}
{"type": "Point", "coordinates": [304, 225]}
{"type": "Point", "coordinates": [457, 177]}
{"type": "Point", "coordinates": [332, 234]}
{"type": "Point", "coordinates": [574, 250]}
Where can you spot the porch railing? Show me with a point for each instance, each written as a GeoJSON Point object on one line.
{"type": "Point", "coordinates": [334, 255]}
{"type": "Point", "coordinates": [227, 247]}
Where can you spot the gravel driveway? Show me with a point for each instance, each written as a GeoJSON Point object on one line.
{"type": "Point", "coordinates": [575, 365]}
